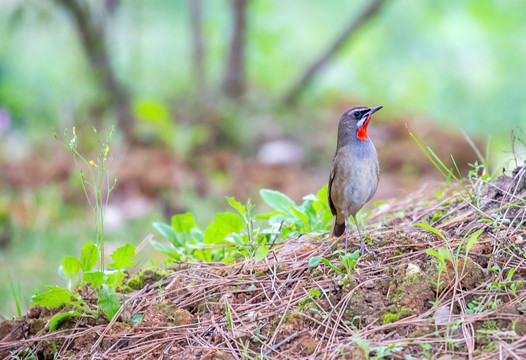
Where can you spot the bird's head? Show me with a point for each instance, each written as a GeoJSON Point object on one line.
{"type": "Point", "coordinates": [356, 119]}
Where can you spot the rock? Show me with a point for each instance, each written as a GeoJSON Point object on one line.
{"type": "Point", "coordinates": [412, 269]}
{"type": "Point", "coordinates": [441, 315]}
{"type": "Point", "coordinates": [280, 152]}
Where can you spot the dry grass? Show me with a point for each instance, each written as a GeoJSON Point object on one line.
{"type": "Point", "coordinates": [267, 310]}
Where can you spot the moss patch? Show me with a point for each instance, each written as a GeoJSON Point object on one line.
{"type": "Point", "coordinates": [144, 277]}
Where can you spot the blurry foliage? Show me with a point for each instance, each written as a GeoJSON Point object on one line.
{"type": "Point", "coordinates": [456, 62]}
{"type": "Point", "coordinates": [156, 122]}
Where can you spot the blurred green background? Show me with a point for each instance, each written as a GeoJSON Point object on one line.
{"type": "Point", "coordinates": [207, 100]}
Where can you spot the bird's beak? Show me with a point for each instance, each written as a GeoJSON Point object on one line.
{"type": "Point", "coordinates": [373, 110]}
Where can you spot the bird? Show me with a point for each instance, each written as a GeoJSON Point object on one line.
{"type": "Point", "coordinates": [355, 171]}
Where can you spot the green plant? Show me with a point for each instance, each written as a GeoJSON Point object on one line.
{"type": "Point", "coordinates": [17, 295]}
{"type": "Point", "coordinates": [251, 242]}
{"type": "Point", "coordinates": [246, 350]}
{"type": "Point", "coordinates": [447, 253]}
{"type": "Point", "coordinates": [186, 238]}
{"type": "Point", "coordinates": [106, 282]}
{"type": "Point", "coordinates": [228, 236]}
{"type": "Point", "coordinates": [349, 261]}
{"type": "Point", "coordinates": [351, 324]}
{"type": "Point", "coordinates": [315, 293]}
{"type": "Point", "coordinates": [475, 306]}
{"type": "Point", "coordinates": [425, 349]}
{"type": "Point", "coordinates": [241, 234]}
{"type": "Point", "coordinates": [81, 271]}
{"type": "Point", "coordinates": [378, 352]}
{"type": "Point", "coordinates": [446, 172]}
{"type": "Point", "coordinates": [508, 284]}
{"type": "Point", "coordinates": [24, 355]}
{"type": "Point", "coordinates": [97, 190]}
{"type": "Point", "coordinates": [228, 314]}
{"type": "Point", "coordinates": [312, 215]}
{"type": "Point", "coordinates": [496, 220]}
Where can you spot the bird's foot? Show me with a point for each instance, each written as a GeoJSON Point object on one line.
{"type": "Point", "coordinates": [364, 250]}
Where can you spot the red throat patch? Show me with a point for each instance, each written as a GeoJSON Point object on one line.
{"type": "Point", "coordinates": [362, 132]}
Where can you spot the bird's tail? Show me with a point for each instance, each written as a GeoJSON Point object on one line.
{"type": "Point", "coordinates": [338, 230]}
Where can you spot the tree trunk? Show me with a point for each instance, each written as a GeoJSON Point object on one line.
{"type": "Point", "coordinates": [234, 81]}
{"type": "Point", "coordinates": [94, 45]}
{"type": "Point", "coordinates": [196, 18]}
{"type": "Point", "coordinates": [355, 23]}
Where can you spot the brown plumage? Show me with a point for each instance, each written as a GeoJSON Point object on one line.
{"type": "Point", "coordinates": [355, 170]}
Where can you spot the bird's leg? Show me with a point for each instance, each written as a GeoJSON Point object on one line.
{"type": "Point", "coordinates": [363, 247]}
{"type": "Point", "coordinates": [347, 226]}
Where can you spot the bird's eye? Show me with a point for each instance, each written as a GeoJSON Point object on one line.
{"type": "Point", "coordinates": [356, 114]}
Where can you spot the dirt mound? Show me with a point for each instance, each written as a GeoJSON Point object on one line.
{"type": "Point", "coordinates": [465, 301]}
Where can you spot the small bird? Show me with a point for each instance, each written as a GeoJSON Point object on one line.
{"type": "Point", "coordinates": [355, 170]}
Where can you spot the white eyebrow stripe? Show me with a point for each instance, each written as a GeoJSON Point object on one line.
{"type": "Point", "coordinates": [358, 109]}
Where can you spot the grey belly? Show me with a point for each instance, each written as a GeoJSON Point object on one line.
{"type": "Point", "coordinates": [351, 195]}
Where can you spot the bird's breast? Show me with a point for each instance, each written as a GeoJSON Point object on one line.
{"type": "Point", "coordinates": [356, 173]}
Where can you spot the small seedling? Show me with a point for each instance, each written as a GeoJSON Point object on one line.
{"type": "Point", "coordinates": [17, 294]}
{"type": "Point", "coordinates": [448, 254]}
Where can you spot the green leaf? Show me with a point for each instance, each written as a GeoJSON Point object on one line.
{"type": "Point", "coordinates": [236, 205]}
{"type": "Point", "coordinates": [323, 196]}
{"type": "Point", "coordinates": [323, 212]}
{"type": "Point", "coordinates": [315, 261]}
{"type": "Point", "coordinates": [355, 255]}
{"type": "Point", "coordinates": [473, 238]}
{"type": "Point", "coordinates": [88, 256]}
{"type": "Point", "coordinates": [108, 301]}
{"type": "Point", "coordinates": [314, 222]}
{"type": "Point", "coordinates": [55, 297]}
{"type": "Point", "coordinates": [173, 253]}
{"type": "Point", "coordinates": [168, 232]}
{"type": "Point", "coordinates": [96, 278]}
{"type": "Point", "coordinates": [136, 319]}
{"type": "Point", "coordinates": [239, 240]}
{"type": "Point", "coordinates": [223, 225]}
{"type": "Point", "coordinates": [363, 344]}
{"type": "Point", "coordinates": [183, 223]}
{"type": "Point", "coordinates": [446, 254]}
{"type": "Point", "coordinates": [302, 217]}
{"type": "Point", "coordinates": [122, 257]}
{"type": "Point", "coordinates": [114, 279]}
{"type": "Point", "coordinates": [278, 201]}
{"type": "Point", "coordinates": [315, 292]}
{"type": "Point", "coordinates": [70, 266]}
{"type": "Point", "coordinates": [310, 197]}
{"type": "Point", "coordinates": [434, 253]}
{"type": "Point", "coordinates": [60, 318]}
{"type": "Point", "coordinates": [268, 215]}
{"type": "Point", "coordinates": [510, 274]}
{"type": "Point", "coordinates": [432, 229]}
{"type": "Point", "coordinates": [203, 254]}
{"type": "Point", "coordinates": [261, 253]}
{"type": "Point", "coordinates": [197, 235]}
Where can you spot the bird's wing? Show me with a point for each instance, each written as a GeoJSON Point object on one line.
{"type": "Point", "coordinates": [331, 178]}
